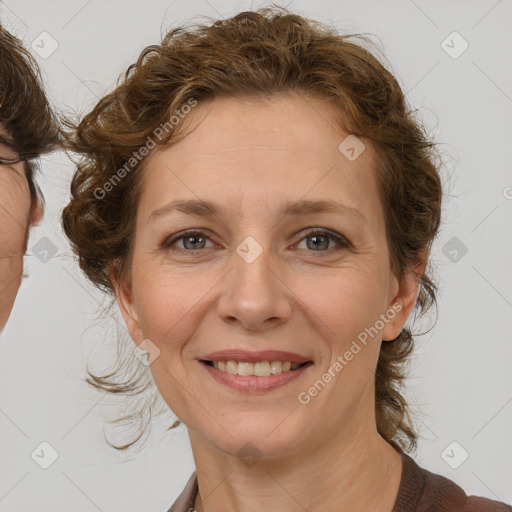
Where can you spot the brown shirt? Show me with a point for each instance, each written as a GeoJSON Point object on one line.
{"type": "Point", "coordinates": [419, 491]}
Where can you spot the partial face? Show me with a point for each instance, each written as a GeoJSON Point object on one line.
{"type": "Point", "coordinates": [291, 268]}
{"type": "Point", "coordinates": [14, 222]}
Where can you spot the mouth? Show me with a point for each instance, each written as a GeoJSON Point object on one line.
{"type": "Point", "coordinates": [257, 369]}
{"type": "Point", "coordinates": [254, 377]}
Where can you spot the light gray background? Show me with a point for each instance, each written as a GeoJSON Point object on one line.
{"type": "Point", "coordinates": [460, 384]}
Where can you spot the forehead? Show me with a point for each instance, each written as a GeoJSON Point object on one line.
{"type": "Point", "coordinates": [253, 150]}
{"type": "Point", "coordinates": [290, 121]}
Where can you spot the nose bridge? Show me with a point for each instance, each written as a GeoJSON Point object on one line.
{"type": "Point", "coordinates": [254, 294]}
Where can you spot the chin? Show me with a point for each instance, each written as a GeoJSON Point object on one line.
{"type": "Point", "coordinates": [257, 434]}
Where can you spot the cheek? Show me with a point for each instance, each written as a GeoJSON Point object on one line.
{"type": "Point", "coordinates": [347, 305]}
{"type": "Point", "coordinates": [168, 298]}
{"type": "Point", "coordinates": [347, 299]}
{"type": "Point", "coordinates": [169, 303]}
{"type": "Point", "coordinates": [14, 213]}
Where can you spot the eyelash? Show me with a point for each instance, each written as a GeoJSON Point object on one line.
{"type": "Point", "coordinates": [342, 242]}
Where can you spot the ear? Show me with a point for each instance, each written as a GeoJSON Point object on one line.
{"type": "Point", "coordinates": [125, 300]}
{"type": "Point", "coordinates": [404, 299]}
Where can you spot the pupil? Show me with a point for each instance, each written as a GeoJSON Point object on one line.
{"type": "Point", "coordinates": [319, 245]}
{"type": "Point", "coordinates": [188, 239]}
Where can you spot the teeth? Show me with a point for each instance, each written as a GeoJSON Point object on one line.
{"type": "Point", "coordinates": [260, 369]}
{"type": "Point", "coordinates": [245, 369]}
{"type": "Point", "coordinates": [276, 367]}
{"type": "Point", "coordinates": [231, 367]}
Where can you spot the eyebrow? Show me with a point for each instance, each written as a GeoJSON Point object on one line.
{"type": "Point", "coordinates": [300, 208]}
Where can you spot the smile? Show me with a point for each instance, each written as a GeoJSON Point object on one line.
{"type": "Point", "coordinates": [256, 378]}
{"type": "Point", "coordinates": [260, 369]}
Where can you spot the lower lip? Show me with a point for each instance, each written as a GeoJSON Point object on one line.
{"type": "Point", "coordinates": [252, 383]}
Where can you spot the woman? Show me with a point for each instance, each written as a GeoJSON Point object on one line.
{"type": "Point", "coordinates": [28, 128]}
{"type": "Point", "coordinates": [260, 201]}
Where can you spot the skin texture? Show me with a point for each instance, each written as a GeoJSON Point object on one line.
{"type": "Point", "coordinates": [14, 209]}
{"type": "Point", "coordinates": [15, 219]}
{"type": "Point", "coordinates": [250, 159]}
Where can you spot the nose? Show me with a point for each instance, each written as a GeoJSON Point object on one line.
{"type": "Point", "coordinates": [255, 295]}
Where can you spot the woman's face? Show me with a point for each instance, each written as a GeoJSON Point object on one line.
{"type": "Point", "coordinates": [14, 222]}
{"type": "Point", "coordinates": [294, 259]}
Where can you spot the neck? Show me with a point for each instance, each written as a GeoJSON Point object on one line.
{"type": "Point", "coordinates": [353, 471]}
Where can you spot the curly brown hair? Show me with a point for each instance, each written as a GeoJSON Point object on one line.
{"type": "Point", "coordinates": [25, 112]}
{"type": "Point", "coordinates": [254, 55]}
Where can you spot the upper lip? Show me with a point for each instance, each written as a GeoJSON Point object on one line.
{"type": "Point", "coordinates": [255, 357]}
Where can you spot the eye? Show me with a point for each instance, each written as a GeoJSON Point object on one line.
{"type": "Point", "coordinates": [189, 240]}
{"type": "Point", "coordinates": [321, 241]}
